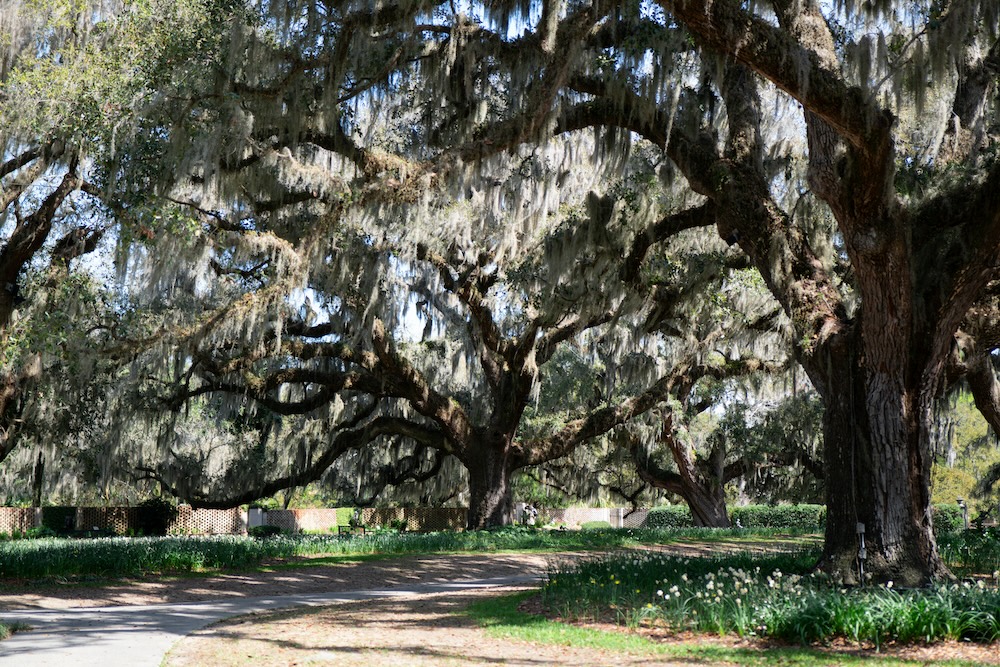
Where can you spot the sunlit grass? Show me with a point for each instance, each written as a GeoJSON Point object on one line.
{"type": "Point", "coordinates": [501, 619]}
{"type": "Point", "coordinates": [775, 596]}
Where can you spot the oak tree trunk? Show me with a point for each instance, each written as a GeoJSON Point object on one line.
{"type": "Point", "coordinates": [708, 505]}
{"type": "Point", "coordinates": [490, 500]}
{"type": "Point", "coordinates": [877, 474]}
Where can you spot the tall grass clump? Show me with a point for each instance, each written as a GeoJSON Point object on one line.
{"type": "Point", "coordinates": [7, 629]}
{"type": "Point", "coordinates": [57, 557]}
{"type": "Point", "coordinates": [767, 596]}
{"type": "Point", "coordinates": [120, 556]}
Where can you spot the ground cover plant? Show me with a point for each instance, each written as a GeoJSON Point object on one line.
{"type": "Point", "coordinates": [775, 596]}
{"type": "Point", "coordinates": [502, 618]}
{"type": "Point", "coordinates": [55, 557]}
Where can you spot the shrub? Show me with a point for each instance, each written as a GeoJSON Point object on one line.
{"type": "Point", "coordinates": [803, 517]}
{"type": "Point", "coordinates": [974, 551]}
{"type": "Point", "coordinates": [674, 516]}
{"type": "Point", "coordinates": [345, 515]}
{"type": "Point", "coordinates": [264, 531]}
{"type": "Point", "coordinates": [947, 518]}
{"type": "Point", "coordinates": [594, 525]}
{"type": "Point", "coordinates": [795, 517]}
{"type": "Point", "coordinates": [59, 519]}
{"type": "Point", "coordinates": [155, 516]}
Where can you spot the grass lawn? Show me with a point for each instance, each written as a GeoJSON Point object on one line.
{"type": "Point", "coordinates": [502, 619]}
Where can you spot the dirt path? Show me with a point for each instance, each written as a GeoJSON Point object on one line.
{"type": "Point", "coordinates": [348, 576]}
{"type": "Point", "coordinates": [415, 632]}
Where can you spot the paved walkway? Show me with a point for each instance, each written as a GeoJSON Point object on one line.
{"type": "Point", "coordinates": [139, 636]}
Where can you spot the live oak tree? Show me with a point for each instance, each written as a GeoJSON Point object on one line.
{"type": "Point", "coordinates": [462, 392]}
{"type": "Point", "coordinates": [846, 150]}
{"type": "Point", "coordinates": [919, 261]}
{"type": "Point", "coordinates": [292, 194]}
{"type": "Point", "coordinates": [71, 78]}
{"type": "Point", "coordinates": [721, 337]}
{"type": "Point", "coordinates": [877, 255]}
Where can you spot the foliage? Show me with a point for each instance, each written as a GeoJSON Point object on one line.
{"type": "Point", "coordinates": [7, 629]}
{"type": "Point", "coordinates": [795, 517]}
{"type": "Point", "coordinates": [671, 516]}
{"type": "Point", "coordinates": [59, 519]}
{"type": "Point", "coordinates": [30, 534]}
{"type": "Point", "coordinates": [768, 596]}
{"type": "Point", "coordinates": [264, 531]}
{"type": "Point", "coordinates": [503, 618]}
{"type": "Point", "coordinates": [973, 551]}
{"type": "Point", "coordinates": [346, 515]}
{"type": "Point", "coordinates": [595, 525]}
{"type": "Point", "coordinates": [155, 516]}
{"type": "Point", "coordinates": [802, 517]}
{"type": "Point", "coordinates": [947, 519]}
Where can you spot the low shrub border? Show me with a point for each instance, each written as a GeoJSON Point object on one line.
{"type": "Point", "coordinates": [947, 517]}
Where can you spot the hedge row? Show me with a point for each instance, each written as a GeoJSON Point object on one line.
{"type": "Point", "coordinates": [947, 517]}
{"type": "Point", "coordinates": [806, 517]}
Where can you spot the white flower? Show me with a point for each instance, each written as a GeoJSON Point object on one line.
{"type": "Point", "coordinates": [888, 584]}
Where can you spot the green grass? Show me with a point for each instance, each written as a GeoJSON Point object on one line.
{"type": "Point", "coordinates": [774, 596]}
{"type": "Point", "coordinates": [7, 629]}
{"type": "Point", "coordinates": [501, 619]}
{"type": "Point", "coordinates": [111, 557]}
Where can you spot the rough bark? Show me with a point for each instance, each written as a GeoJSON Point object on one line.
{"type": "Point", "coordinates": [491, 502]}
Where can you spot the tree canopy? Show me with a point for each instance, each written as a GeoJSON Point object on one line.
{"type": "Point", "coordinates": [290, 180]}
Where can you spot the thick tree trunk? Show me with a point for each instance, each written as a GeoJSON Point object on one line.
{"type": "Point", "coordinates": [700, 484]}
{"type": "Point", "coordinates": [877, 474]}
{"type": "Point", "coordinates": [490, 500]}
{"type": "Point", "coordinates": [708, 505]}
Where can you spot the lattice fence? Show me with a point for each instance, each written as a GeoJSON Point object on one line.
{"type": "Point", "coordinates": [295, 521]}
{"type": "Point", "coordinates": [117, 519]}
{"type": "Point", "coordinates": [210, 522]}
{"type": "Point", "coordinates": [419, 519]}
{"type": "Point", "coordinates": [283, 519]}
{"type": "Point", "coordinates": [123, 520]}
{"type": "Point", "coordinates": [18, 519]}
{"type": "Point", "coordinates": [635, 519]}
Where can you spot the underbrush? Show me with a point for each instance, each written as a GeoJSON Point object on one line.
{"type": "Point", "coordinates": [767, 596]}
{"type": "Point", "coordinates": [969, 552]}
